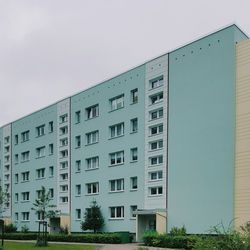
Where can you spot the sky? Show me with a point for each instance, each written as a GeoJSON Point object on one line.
{"type": "Point", "coordinates": [52, 49]}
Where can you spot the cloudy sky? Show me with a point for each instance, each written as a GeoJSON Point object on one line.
{"type": "Point", "coordinates": [51, 49]}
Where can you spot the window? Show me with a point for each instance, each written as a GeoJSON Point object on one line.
{"type": "Point", "coordinates": [51, 193]}
{"type": "Point", "coordinates": [92, 163]}
{"type": "Point", "coordinates": [40, 173]}
{"type": "Point", "coordinates": [134, 96]}
{"type": "Point", "coordinates": [64, 153]}
{"type": "Point", "coordinates": [156, 160]}
{"type": "Point", "coordinates": [39, 194]}
{"type": "Point", "coordinates": [116, 158]}
{"type": "Point", "coordinates": [155, 191]}
{"type": "Point", "coordinates": [156, 114]}
{"type": "Point", "coordinates": [117, 212]}
{"type": "Point", "coordinates": [78, 165]}
{"type": "Point", "coordinates": [64, 188]}
{"type": "Point", "coordinates": [78, 141]}
{"type": "Point", "coordinates": [64, 177]}
{"type": "Point", "coordinates": [133, 183]}
{"type": "Point", "coordinates": [92, 112]}
{"type": "Point", "coordinates": [40, 152]}
{"type": "Point", "coordinates": [64, 130]}
{"type": "Point", "coordinates": [155, 176]}
{"type": "Point", "coordinates": [63, 142]}
{"type": "Point", "coordinates": [16, 139]}
{"type": "Point", "coordinates": [6, 168]}
{"type": "Point", "coordinates": [6, 149]}
{"type": "Point", "coordinates": [64, 164]}
{"type": "Point", "coordinates": [6, 159]}
{"type": "Point", "coordinates": [78, 214]}
{"type": "Point", "coordinates": [16, 158]}
{"type": "Point", "coordinates": [134, 125]}
{"type": "Point", "coordinates": [16, 178]}
{"type": "Point", "coordinates": [25, 156]}
{"type": "Point", "coordinates": [6, 140]}
{"type": "Point", "coordinates": [116, 130]}
{"type": "Point", "coordinates": [78, 189]}
{"type": "Point", "coordinates": [16, 197]}
{"type": "Point", "coordinates": [16, 216]}
{"type": "Point", "coordinates": [51, 171]}
{"type": "Point", "coordinates": [157, 129]}
{"type": "Point", "coordinates": [25, 216]}
{"type": "Point", "coordinates": [132, 210]}
{"type": "Point", "coordinates": [116, 185]}
{"type": "Point", "coordinates": [64, 199]}
{"type": "Point", "coordinates": [77, 116]}
{"type": "Point", "coordinates": [6, 177]}
{"type": "Point", "coordinates": [134, 154]}
{"type": "Point", "coordinates": [25, 136]}
{"type": "Point", "coordinates": [25, 176]}
{"type": "Point", "coordinates": [40, 130]}
{"type": "Point", "coordinates": [63, 118]}
{"type": "Point", "coordinates": [39, 215]}
{"type": "Point", "coordinates": [156, 145]}
{"type": "Point", "coordinates": [117, 102]}
{"type": "Point", "coordinates": [25, 196]}
{"type": "Point", "coordinates": [156, 98]}
{"type": "Point", "coordinates": [92, 137]}
{"type": "Point", "coordinates": [51, 149]}
{"type": "Point", "coordinates": [157, 82]}
{"type": "Point", "coordinates": [51, 128]}
{"type": "Point", "coordinates": [92, 188]}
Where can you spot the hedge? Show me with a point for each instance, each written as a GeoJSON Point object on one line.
{"type": "Point", "coordinates": [111, 238]}
{"type": "Point", "coordinates": [169, 241]}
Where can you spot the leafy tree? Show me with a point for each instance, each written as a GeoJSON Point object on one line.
{"type": "Point", "coordinates": [4, 198]}
{"type": "Point", "coordinates": [93, 219]}
{"type": "Point", "coordinates": [45, 210]}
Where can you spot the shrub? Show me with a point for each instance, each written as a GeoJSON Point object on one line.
{"type": "Point", "coordinates": [24, 229]}
{"type": "Point", "coordinates": [168, 241]}
{"type": "Point", "coordinates": [175, 231]}
{"type": "Point", "coordinates": [110, 238]}
{"type": "Point", "coordinates": [64, 230]}
{"type": "Point", "coordinates": [10, 228]}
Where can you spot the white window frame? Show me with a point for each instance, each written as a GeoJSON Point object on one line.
{"type": "Point", "coordinates": [116, 130]}
{"type": "Point", "coordinates": [156, 175]}
{"type": "Point", "coordinates": [78, 190]}
{"type": "Point", "coordinates": [40, 173]}
{"type": "Point", "coordinates": [158, 112]}
{"type": "Point", "coordinates": [157, 188]}
{"type": "Point", "coordinates": [92, 163]}
{"type": "Point", "coordinates": [158, 143]}
{"type": "Point", "coordinates": [133, 180]}
{"type": "Point", "coordinates": [117, 102]}
{"type": "Point", "coordinates": [40, 130]}
{"type": "Point", "coordinates": [156, 98]}
{"type": "Point", "coordinates": [92, 137]}
{"type": "Point", "coordinates": [116, 185]}
{"type": "Point", "coordinates": [92, 188]}
{"type": "Point", "coordinates": [115, 156]}
{"type": "Point", "coordinates": [40, 152]}
{"type": "Point", "coordinates": [25, 216]}
{"type": "Point", "coordinates": [159, 129]}
{"type": "Point", "coordinates": [134, 154]}
{"type": "Point", "coordinates": [158, 158]}
{"type": "Point", "coordinates": [92, 112]}
{"type": "Point", "coordinates": [113, 211]}
{"type": "Point", "coordinates": [156, 82]}
{"type": "Point", "coordinates": [134, 96]}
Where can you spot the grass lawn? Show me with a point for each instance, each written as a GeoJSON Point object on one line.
{"type": "Point", "coordinates": [31, 246]}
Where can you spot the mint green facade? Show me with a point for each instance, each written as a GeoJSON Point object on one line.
{"type": "Point", "coordinates": [202, 132]}
{"type": "Point", "coordinates": [155, 141]}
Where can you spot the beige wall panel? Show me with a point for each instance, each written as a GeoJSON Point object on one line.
{"type": "Point", "coordinates": [242, 150]}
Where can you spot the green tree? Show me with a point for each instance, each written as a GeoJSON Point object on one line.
{"type": "Point", "coordinates": [45, 210]}
{"type": "Point", "coordinates": [4, 198]}
{"type": "Point", "coordinates": [93, 219]}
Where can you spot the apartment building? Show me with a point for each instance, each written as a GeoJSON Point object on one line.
{"type": "Point", "coordinates": [164, 144]}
